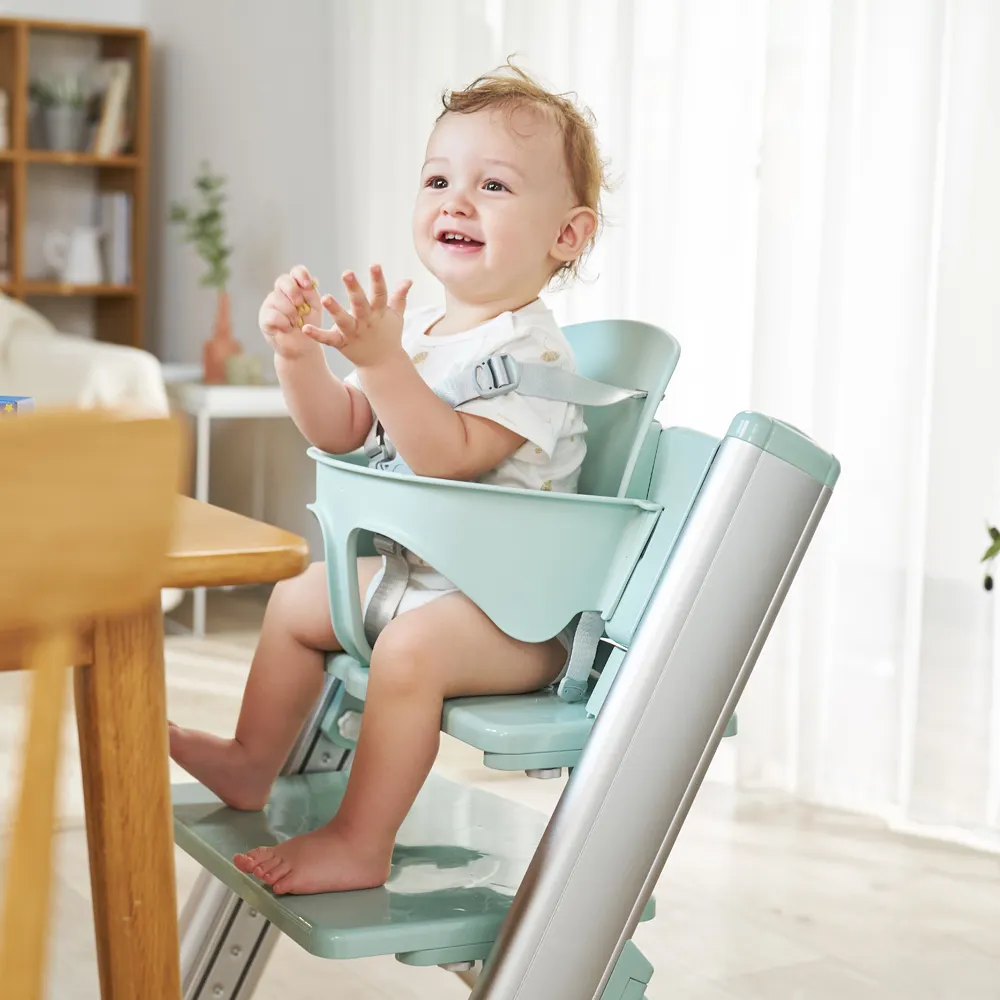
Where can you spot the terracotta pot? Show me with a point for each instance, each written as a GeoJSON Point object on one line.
{"type": "Point", "coordinates": [221, 346]}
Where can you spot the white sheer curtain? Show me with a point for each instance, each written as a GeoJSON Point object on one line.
{"type": "Point", "coordinates": [808, 200]}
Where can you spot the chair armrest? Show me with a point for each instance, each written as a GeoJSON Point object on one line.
{"type": "Point", "coordinates": [530, 560]}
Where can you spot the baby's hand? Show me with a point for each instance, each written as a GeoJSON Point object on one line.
{"type": "Point", "coordinates": [373, 333]}
{"type": "Point", "coordinates": [293, 303]}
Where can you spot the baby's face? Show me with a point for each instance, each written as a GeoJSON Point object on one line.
{"type": "Point", "coordinates": [494, 193]}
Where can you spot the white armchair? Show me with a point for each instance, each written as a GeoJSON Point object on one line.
{"type": "Point", "coordinates": [59, 369]}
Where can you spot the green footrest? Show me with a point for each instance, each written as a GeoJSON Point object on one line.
{"type": "Point", "coordinates": [459, 859]}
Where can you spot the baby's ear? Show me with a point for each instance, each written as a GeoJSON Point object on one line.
{"type": "Point", "coordinates": [577, 231]}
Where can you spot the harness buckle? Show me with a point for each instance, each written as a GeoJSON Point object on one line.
{"type": "Point", "coordinates": [381, 449]}
{"type": "Point", "coordinates": [496, 375]}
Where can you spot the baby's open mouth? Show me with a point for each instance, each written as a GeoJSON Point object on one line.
{"type": "Point", "coordinates": [458, 241]}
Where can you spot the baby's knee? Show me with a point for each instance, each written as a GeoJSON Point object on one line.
{"type": "Point", "coordinates": [402, 659]}
{"type": "Point", "coordinates": [301, 607]}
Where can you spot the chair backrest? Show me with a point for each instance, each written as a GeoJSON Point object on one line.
{"type": "Point", "coordinates": [631, 355]}
{"type": "Point", "coordinates": [88, 502]}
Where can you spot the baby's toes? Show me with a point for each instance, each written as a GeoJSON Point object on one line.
{"type": "Point", "coordinates": [267, 865]}
{"type": "Point", "coordinates": [251, 859]}
{"type": "Point", "coordinates": [276, 872]}
{"type": "Point", "coordinates": [284, 885]}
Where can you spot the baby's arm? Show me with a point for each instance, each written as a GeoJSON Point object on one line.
{"type": "Point", "coordinates": [434, 439]}
{"type": "Point", "coordinates": [331, 415]}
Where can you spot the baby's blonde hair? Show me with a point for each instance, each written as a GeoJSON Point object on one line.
{"type": "Point", "coordinates": [510, 88]}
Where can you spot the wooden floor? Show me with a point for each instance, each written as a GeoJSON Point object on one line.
{"type": "Point", "coordinates": [761, 899]}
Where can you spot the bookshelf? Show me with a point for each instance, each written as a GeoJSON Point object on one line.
{"type": "Point", "coordinates": [47, 189]}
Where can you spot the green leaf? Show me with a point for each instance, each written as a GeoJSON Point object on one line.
{"type": "Point", "coordinates": [992, 552]}
{"type": "Point", "coordinates": [205, 225]}
{"type": "Point", "coordinates": [994, 533]}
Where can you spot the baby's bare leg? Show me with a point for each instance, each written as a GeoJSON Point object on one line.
{"type": "Point", "coordinates": [445, 649]}
{"type": "Point", "coordinates": [285, 680]}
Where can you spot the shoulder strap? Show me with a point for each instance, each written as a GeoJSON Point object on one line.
{"type": "Point", "coordinates": [500, 374]}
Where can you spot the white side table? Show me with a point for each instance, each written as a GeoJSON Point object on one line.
{"type": "Point", "coordinates": [209, 402]}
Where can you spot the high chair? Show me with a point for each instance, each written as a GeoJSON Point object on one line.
{"type": "Point", "coordinates": [88, 505]}
{"type": "Point", "coordinates": [682, 547]}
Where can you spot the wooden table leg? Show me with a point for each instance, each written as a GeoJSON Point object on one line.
{"type": "Point", "coordinates": [121, 716]}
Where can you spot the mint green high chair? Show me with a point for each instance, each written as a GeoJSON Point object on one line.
{"type": "Point", "coordinates": [684, 545]}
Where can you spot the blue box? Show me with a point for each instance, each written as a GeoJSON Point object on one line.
{"type": "Point", "coordinates": [10, 405]}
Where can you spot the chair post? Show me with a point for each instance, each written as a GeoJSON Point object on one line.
{"type": "Point", "coordinates": [695, 646]}
{"type": "Point", "coordinates": [28, 893]}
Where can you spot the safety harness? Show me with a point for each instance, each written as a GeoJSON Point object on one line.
{"type": "Point", "coordinates": [494, 376]}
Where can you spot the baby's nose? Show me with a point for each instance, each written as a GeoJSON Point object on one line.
{"type": "Point", "coordinates": [458, 204]}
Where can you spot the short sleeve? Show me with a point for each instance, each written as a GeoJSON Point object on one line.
{"type": "Point", "coordinates": [539, 421]}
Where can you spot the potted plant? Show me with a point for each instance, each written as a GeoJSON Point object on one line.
{"type": "Point", "coordinates": [63, 103]}
{"type": "Point", "coordinates": [990, 554]}
{"type": "Point", "coordinates": [204, 226]}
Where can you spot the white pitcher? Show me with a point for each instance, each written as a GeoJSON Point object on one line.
{"type": "Point", "coordinates": [76, 257]}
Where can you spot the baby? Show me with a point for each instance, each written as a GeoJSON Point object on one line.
{"type": "Point", "coordinates": [509, 199]}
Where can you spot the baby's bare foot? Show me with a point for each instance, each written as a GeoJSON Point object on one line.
{"type": "Point", "coordinates": [221, 766]}
{"type": "Point", "coordinates": [324, 860]}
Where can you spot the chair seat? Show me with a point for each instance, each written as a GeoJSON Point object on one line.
{"type": "Point", "coordinates": [459, 858]}
{"type": "Point", "coordinates": [515, 732]}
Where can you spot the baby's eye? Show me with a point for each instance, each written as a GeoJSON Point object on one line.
{"type": "Point", "coordinates": [436, 182]}
{"type": "Point", "coordinates": [495, 186]}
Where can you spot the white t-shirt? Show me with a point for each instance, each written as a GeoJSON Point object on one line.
{"type": "Point", "coordinates": [554, 447]}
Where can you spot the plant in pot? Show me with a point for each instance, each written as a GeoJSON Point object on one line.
{"type": "Point", "coordinates": [204, 226]}
{"type": "Point", "coordinates": [63, 105]}
{"type": "Point", "coordinates": [990, 554]}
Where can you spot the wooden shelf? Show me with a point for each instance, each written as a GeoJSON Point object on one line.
{"type": "Point", "coordinates": [61, 289]}
{"type": "Point", "coordinates": [68, 27]}
{"type": "Point", "coordinates": [117, 310]}
{"type": "Point", "coordinates": [66, 159]}
{"type": "Point", "coordinates": [78, 159]}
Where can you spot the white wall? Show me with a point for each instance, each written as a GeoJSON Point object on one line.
{"type": "Point", "coordinates": [103, 11]}
{"type": "Point", "coordinates": [245, 88]}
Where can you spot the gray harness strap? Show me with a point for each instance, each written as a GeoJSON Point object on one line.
{"type": "Point", "coordinates": [586, 635]}
{"type": "Point", "coordinates": [494, 376]}
{"type": "Point", "coordinates": [500, 374]}
{"type": "Point", "coordinates": [390, 589]}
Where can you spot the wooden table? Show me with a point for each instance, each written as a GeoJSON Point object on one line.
{"type": "Point", "coordinates": [121, 717]}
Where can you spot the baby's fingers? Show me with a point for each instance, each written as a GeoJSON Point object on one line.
{"type": "Point", "coordinates": [346, 323]}
{"type": "Point", "coordinates": [274, 320]}
{"type": "Point", "coordinates": [379, 293]}
{"type": "Point", "coordinates": [332, 337]}
{"type": "Point", "coordinates": [359, 301]}
{"type": "Point", "coordinates": [288, 287]}
{"type": "Point", "coordinates": [398, 300]}
{"type": "Point", "coordinates": [302, 276]}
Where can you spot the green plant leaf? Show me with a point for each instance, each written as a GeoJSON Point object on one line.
{"type": "Point", "coordinates": [994, 533]}
{"type": "Point", "coordinates": [992, 552]}
{"type": "Point", "coordinates": [205, 226]}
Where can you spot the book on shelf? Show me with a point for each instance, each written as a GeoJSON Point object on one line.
{"type": "Point", "coordinates": [111, 136]}
{"type": "Point", "coordinates": [115, 221]}
{"type": "Point", "coordinates": [4, 238]}
{"type": "Point", "coordinates": [9, 405]}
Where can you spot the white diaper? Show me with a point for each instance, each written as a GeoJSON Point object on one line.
{"type": "Point", "coordinates": [426, 584]}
